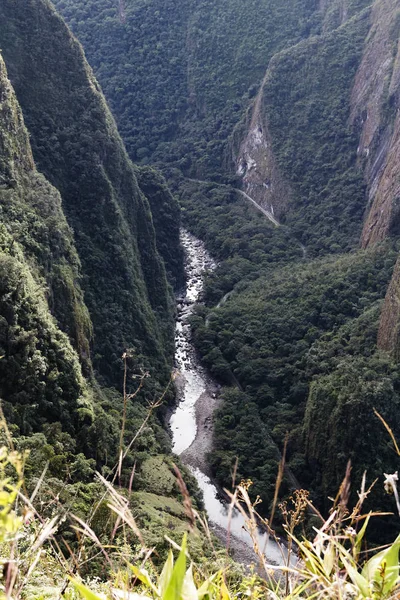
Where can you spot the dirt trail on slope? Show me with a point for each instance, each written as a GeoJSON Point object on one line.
{"type": "Point", "coordinates": [265, 212]}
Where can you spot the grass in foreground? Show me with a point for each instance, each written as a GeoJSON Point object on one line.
{"type": "Point", "coordinates": [38, 563]}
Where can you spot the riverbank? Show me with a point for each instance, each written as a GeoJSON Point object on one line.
{"type": "Point", "coordinates": [191, 423]}
{"type": "Point", "coordinates": [196, 455]}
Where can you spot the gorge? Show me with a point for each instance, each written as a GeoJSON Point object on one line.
{"type": "Point", "coordinates": [191, 423]}
{"type": "Point", "coordinates": [262, 134]}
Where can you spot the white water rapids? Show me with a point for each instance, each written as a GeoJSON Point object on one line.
{"type": "Point", "coordinates": [191, 422]}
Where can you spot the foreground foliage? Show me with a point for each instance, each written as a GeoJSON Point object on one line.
{"type": "Point", "coordinates": [332, 564]}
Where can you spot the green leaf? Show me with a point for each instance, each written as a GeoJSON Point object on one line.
{"type": "Point", "coordinates": [359, 537]}
{"type": "Point", "coordinates": [357, 578]}
{"type": "Point", "coordinates": [223, 590]}
{"type": "Point", "coordinates": [312, 561]}
{"type": "Point", "coordinates": [189, 590]}
{"type": "Point", "coordinates": [329, 559]}
{"type": "Point", "coordinates": [143, 576]}
{"type": "Point", "coordinates": [383, 568]}
{"type": "Point", "coordinates": [84, 591]}
{"type": "Point", "coordinates": [205, 586]}
{"type": "Point", "coordinates": [166, 573]}
{"type": "Point", "coordinates": [175, 585]}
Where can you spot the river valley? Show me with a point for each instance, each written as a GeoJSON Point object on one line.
{"type": "Point", "coordinates": [191, 423]}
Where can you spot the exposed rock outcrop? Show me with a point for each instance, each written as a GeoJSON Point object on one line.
{"type": "Point", "coordinates": [261, 177]}
{"type": "Point", "coordinates": [374, 104]}
{"type": "Point", "coordinates": [255, 163]}
{"type": "Point", "coordinates": [389, 325]}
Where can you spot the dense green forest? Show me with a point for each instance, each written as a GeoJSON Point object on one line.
{"type": "Point", "coordinates": [178, 77]}
{"type": "Point", "coordinates": [301, 345]}
{"type": "Point", "coordinates": [296, 336]}
{"type": "Point", "coordinates": [90, 255]}
{"type": "Point", "coordinates": [82, 281]}
{"type": "Point", "coordinates": [306, 100]}
{"type": "Point", "coordinates": [76, 145]}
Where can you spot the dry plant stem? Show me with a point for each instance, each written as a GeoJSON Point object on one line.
{"type": "Point", "coordinates": [117, 470]}
{"type": "Point", "coordinates": [238, 498]}
{"type": "Point", "coordinates": [234, 472]}
{"type": "Point", "coordinates": [126, 397]}
{"type": "Point", "coordinates": [343, 494]}
{"type": "Point", "coordinates": [88, 532]}
{"type": "Point", "coordinates": [230, 508]}
{"type": "Point", "coordinates": [362, 495]}
{"type": "Point", "coordinates": [293, 518]}
{"type": "Point", "coordinates": [121, 439]}
{"type": "Point", "coordinates": [187, 502]}
{"type": "Point", "coordinates": [388, 429]}
{"type": "Point", "coordinates": [152, 407]}
{"type": "Point", "coordinates": [56, 550]}
{"type": "Point", "coordinates": [396, 495]}
{"type": "Point", "coordinates": [204, 524]}
{"type": "Point", "coordinates": [279, 479]}
{"type": "Point", "coordinates": [120, 506]}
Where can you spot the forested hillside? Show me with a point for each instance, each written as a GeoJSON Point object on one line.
{"type": "Point", "coordinates": [84, 280]}
{"type": "Point", "coordinates": [274, 126]}
{"type": "Point", "coordinates": [76, 145]}
{"type": "Point", "coordinates": [184, 72]}
{"type": "Point", "coordinates": [281, 101]}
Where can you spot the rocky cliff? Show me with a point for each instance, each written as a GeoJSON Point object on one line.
{"type": "Point", "coordinates": [374, 106]}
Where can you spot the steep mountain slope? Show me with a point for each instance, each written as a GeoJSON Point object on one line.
{"type": "Point", "coordinates": [305, 103]}
{"type": "Point", "coordinates": [296, 104]}
{"type": "Point", "coordinates": [286, 339]}
{"type": "Point", "coordinates": [40, 375]}
{"type": "Point", "coordinates": [374, 104]}
{"type": "Point", "coordinates": [81, 280]}
{"type": "Point", "coordinates": [183, 71]}
{"type": "Point", "coordinates": [291, 141]}
{"type": "Point", "coordinates": [77, 147]}
{"type": "Point", "coordinates": [166, 215]}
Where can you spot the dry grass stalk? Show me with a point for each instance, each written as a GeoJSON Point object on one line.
{"type": "Point", "coordinates": [187, 501]}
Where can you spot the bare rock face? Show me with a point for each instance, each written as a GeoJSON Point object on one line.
{"type": "Point", "coordinates": [261, 176]}
{"type": "Point", "coordinates": [255, 163]}
{"type": "Point", "coordinates": [374, 104]}
{"type": "Point", "coordinates": [375, 110]}
{"type": "Point", "coordinates": [384, 212]}
{"type": "Point", "coordinates": [389, 326]}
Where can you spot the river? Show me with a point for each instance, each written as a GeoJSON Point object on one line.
{"type": "Point", "coordinates": [191, 423]}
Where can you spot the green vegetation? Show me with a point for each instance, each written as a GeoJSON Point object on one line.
{"type": "Point", "coordinates": [301, 345]}
{"type": "Point", "coordinates": [41, 378]}
{"type": "Point", "coordinates": [244, 242]}
{"type": "Point", "coordinates": [178, 76]}
{"type": "Point", "coordinates": [166, 216]}
{"type": "Point", "coordinates": [90, 254]}
{"type": "Point", "coordinates": [76, 145]}
{"type": "Point", "coordinates": [81, 281]}
{"type": "Point", "coordinates": [181, 80]}
{"type": "Point", "coordinates": [295, 338]}
{"type": "Point", "coordinates": [306, 98]}
{"type": "Point", "coordinates": [35, 567]}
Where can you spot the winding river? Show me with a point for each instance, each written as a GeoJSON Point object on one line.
{"type": "Point", "coordinates": [191, 423]}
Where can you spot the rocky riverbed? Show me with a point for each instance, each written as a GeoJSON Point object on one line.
{"type": "Point", "coordinates": [191, 423]}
